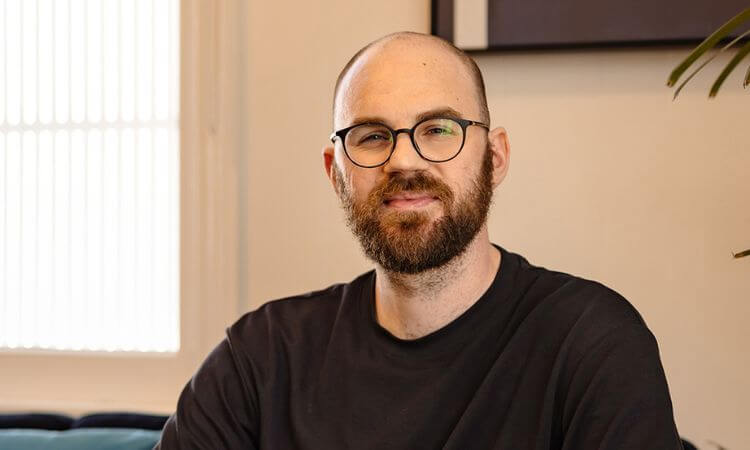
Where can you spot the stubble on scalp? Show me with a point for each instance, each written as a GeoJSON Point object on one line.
{"type": "Point", "coordinates": [463, 58]}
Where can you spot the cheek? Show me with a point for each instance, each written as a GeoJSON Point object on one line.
{"type": "Point", "coordinates": [456, 178]}
{"type": "Point", "coordinates": [465, 173]}
{"type": "Point", "coordinates": [360, 182]}
{"type": "Point", "coordinates": [361, 187]}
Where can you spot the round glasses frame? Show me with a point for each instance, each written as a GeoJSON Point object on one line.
{"type": "Point", "coordinates": [464, 123]}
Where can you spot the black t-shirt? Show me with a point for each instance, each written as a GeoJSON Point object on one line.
{"type": "Point", "coordinates": [543, 360]}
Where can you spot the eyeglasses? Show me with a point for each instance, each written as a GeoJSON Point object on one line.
{"type": "Point", "coordinates": [437, 139]}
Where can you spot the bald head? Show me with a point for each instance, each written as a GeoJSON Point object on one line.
{"type": "Point", "coordinates": [451, 56]}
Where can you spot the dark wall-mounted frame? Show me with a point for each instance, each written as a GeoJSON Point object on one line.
{"type": "Point", "coordinates": [527, 24]}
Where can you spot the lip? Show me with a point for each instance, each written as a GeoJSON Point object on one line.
{"type": "Point", "coordinates": [409, 200]}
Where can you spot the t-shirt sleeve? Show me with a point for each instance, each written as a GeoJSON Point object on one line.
{"type": "Point", "coordinates": [618, 396]}
{"type": "Point", "coordinates": [216, 409]}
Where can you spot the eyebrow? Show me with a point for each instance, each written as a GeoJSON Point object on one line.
{"type": "Point", "coordinates": [439, 112]}
{"type": "Point", "coordinates": [447, 112]}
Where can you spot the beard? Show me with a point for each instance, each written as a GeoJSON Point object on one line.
{"type": "Point", "coordinates": [411, 242]}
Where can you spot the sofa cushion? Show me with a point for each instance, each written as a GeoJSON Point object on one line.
{"type": "Point", "coordinates": [79, 439]}
{"type": "Point", "coordinates": [121, 420]}
{"type": "Point", "coordinates": [39, 421]}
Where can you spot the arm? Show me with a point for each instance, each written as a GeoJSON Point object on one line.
{"type": "Point", "coordinates": [216, 409]}
{"type": "Point", "coordinates": [618, 396]}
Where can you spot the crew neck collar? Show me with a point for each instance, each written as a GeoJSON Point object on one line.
{"type": "Point", "coordinates": [449, 338]}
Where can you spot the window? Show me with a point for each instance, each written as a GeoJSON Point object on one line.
{"type": "Point", "coordinates": [89, 175]}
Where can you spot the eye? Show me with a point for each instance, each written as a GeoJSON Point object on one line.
{"type": "Point", "coordinates": [439, 131]}
{"type": "Point", "coordinates": [375, 138]}
{"type": "Point", "coordinates": [439, 128]}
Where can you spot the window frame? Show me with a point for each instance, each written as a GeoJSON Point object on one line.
{"type": "Point", "coordinates": [213, 54]}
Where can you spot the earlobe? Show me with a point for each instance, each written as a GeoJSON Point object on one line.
{"type": "Point", "coordinates": [329, 160]}
{"type": "Point", "coordinates": [500, 147]}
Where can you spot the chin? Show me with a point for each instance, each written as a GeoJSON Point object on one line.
{"type": "Point", "coordinates": [407, 222]}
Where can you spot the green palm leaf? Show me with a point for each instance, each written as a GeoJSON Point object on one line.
{"type": "Point", "coordinates": [709, 43]}
{"type": "Point", "coordinates": [741, 53]}
{"type": "Point", "coordinates": [705, 63]}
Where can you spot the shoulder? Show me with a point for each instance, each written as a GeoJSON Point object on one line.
{"type": "Point", "coordinates": [585, 327]}
{"type": "Point", "coordinates": [306, 318]}
{"type": "Point", "coordinates": [579, 310]}
{"type": "Point", "coordinates": [293, 308]}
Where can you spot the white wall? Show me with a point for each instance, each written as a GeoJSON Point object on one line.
{"type": "Point", "coordinates": [609, 179]}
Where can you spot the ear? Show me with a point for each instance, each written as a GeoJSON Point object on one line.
{"type": "Point", "coordinates": [500, 148]}
{"type": "Point", "coordinates": [329, 159]}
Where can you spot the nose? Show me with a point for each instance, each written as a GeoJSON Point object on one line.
{"type": "Point", "coordinates": [405, 157]}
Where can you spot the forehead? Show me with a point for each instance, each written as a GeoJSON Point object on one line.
{"type": "Point", "coordinates": [400, 79]}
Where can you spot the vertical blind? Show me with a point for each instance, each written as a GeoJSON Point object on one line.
{"type": "Point", "coordinates": [89, 179]}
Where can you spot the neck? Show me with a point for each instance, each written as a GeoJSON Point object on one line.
{"type": "Point", "coordinates": [410, 306]}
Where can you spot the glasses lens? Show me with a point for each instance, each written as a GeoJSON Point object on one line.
{"type": "Point", "coordinates": [439, 139]}
{"type": "Point", "coordinates": [369, 144]}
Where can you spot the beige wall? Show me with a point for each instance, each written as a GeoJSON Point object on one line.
{"type": "Point", "coordinates": [612, 180]}
{"type": "Point", "coordinates": [609, 179]}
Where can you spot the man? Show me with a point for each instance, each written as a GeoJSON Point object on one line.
{"type": "Point", "coordinates": [451, 342]}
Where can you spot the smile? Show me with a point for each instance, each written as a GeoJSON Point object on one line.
{"type": "Point", "coordinates": [409, 201]}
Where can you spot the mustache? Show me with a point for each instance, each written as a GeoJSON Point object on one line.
{"type": "Point", "coordinates": [419, 182]}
